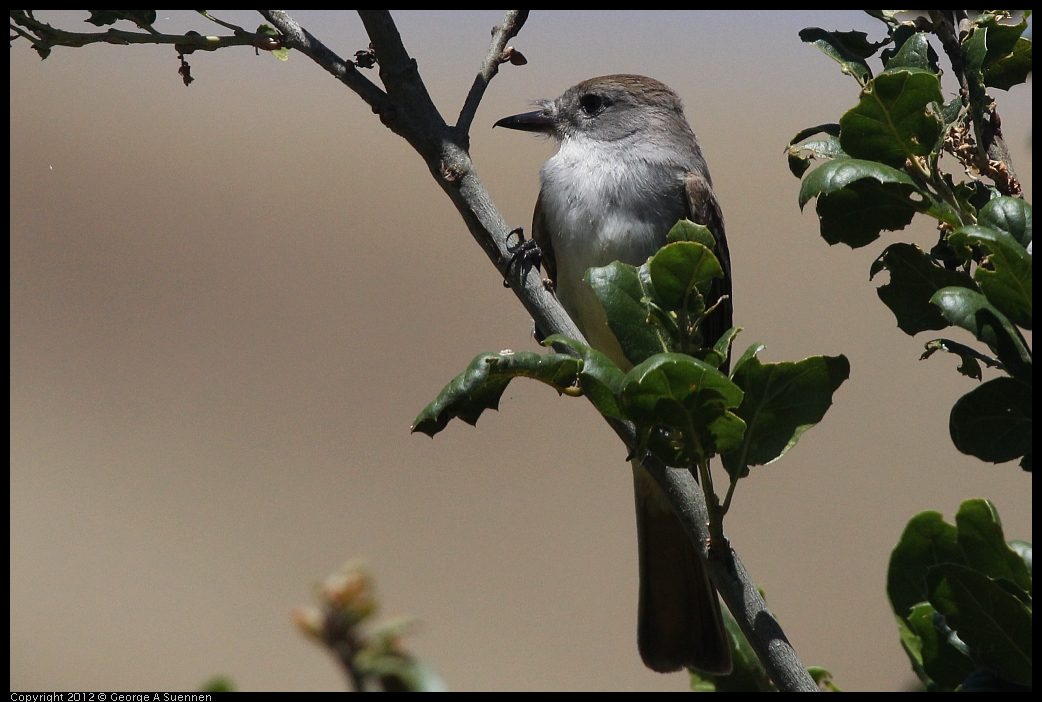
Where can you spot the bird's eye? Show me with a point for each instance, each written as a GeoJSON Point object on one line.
{"type": "Point", "coordinates": [591, 104]}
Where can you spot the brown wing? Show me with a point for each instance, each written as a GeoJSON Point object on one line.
{"type": "Point", "coordinates": [705, 210]}
{"type": "Point", "coordinates": [541, 234]}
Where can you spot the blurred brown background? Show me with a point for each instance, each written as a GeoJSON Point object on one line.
{"type": "Point", "coordinates": [229, 301]}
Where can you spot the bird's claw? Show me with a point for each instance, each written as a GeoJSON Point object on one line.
{"type": "Point", "coordinates": [525, 251]}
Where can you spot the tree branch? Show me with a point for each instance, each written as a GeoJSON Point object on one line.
{"type": "Point", "coordinates": [732, 581]}
{"type": "Point", "coordinates": [446, 154]}
{"type": "Point", "coordinates": [510, 27]}
{"type": "Point", "coordinates": [444, 150]}
{"type": "Point", "coordinates": [406, 108]}
{"type": "Point", "coordinates": [296, 37]}
{"type": "Point", "coordinates": [47, 36]}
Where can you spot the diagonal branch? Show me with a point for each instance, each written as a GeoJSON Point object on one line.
{"type": "Point", "coordinates": [406, 108]}
{"type": "Point", "coordinates": [444, 150]}
{"type": "Point", "coordinates": [730, 577]}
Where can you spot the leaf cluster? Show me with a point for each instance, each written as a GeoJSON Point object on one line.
{"type": "Point", "coordinates": [882, 166]}
{"type": "Point", "coordinates": [962, 597]}
{"type": "Point", "coordinates": [684, 407]}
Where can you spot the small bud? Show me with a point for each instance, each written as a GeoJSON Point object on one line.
{"type": "Point", "coordinates": [310, 622]}
{"type": "Point", "coordinates": [350, 591]}
{"type": "Point", "coordinates": [513, 56]}
{"type": "Point", "coordinates": [366, 58]}
{"type": "Point", "coordinates": [267, 43]}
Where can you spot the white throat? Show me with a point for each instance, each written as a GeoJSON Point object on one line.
{"type": "Point", "coordinates": [607, 201]}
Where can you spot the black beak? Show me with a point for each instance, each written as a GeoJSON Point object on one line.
{"type": "Point", "coordinates": [527, 122]}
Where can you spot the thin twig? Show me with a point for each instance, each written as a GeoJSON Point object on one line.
{"type": "Point", "coordinates": [49, 36]}
{"type": "Point", "coordinates": [24, 34]}
{"type": "Point", "coordinates": [506, 30]}
{"type": "Point", "coordinates": [296, 37]}
{"type": "Point", "coordinates": [234, 27]}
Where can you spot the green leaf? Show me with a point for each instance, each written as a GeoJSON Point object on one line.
{"type": "Point", "coordinates": [822, 678]}
{"type": "Point", "coordinates": [480, 386]}
{"type": "Point", "coordinates": [972, 311]}
{"type": "Point", "coordinates": [686, 230]}
{"type": "Point", "coordinates": [914, 278]}
{"type": "Point", "coordinates": [782, 400]}
{"type": "Point", "coordinates": [927, 540]}
{"type": "Point", "coordinates": [971, 196]}
{"type": "Point", "coordinates": [722, 348]}
{"type": "Point", "coordinates": [665, 320]}
{"type": "Point", "coordinates": [941, 666]}
{"type": "Point", "coordinates": [679, 270]}
{"type": "Point", "coordinates": [1000, 39]}
{"type": "Point", "coordinates": [831, 128]}
{"type": "Point", "coordinates": [622, 291]}
{"type": "Point", "coordinates": [913, 645]}
{"type": "Point", "coordinates": [995, 625]}
{"type": "Point", "coordinates": [833, 177]}
{"type": "Point", "coordinates": [1005, 276]}
{"type": "Point", "coordinates": [970, 357]}
{"type": "Point", "coordinates": [984, 545]}
{"type": "Point", "coordinates": [915, 52]}
{"type": "Point", "coordinates": [1008, 214]}
{"type": "Point", "coordinates": [951, 111]}
{"type": "Point", "coordinates": [892, 123]}
{"type": "Point", "coordinates": [599, 378]}
{"type": "Point", "coordinates": [849, 49]}
{"type": "Point", "coordinates": [928, 546]}
{"type": "Point", "coordinates": [1010, 70]}
{"type": "Point", "coordinates": [677, 392]}
{"type": "Point", "coordinates": [800, 155]}
{"type": "Point", "coordinates": [750, 353]}
{"type": "Point", "coordinates": [281, 54]}
{"type": "Point", "coordinates": [857, 199]}
{"type": "Point", "coordinates": [993, 421]}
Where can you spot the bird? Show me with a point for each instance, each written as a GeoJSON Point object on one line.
{"type": "Point", "coordinates": [627, 168]}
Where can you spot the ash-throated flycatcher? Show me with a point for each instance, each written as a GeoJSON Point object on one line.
{"type": "Point", "coordinates": [627, 168]}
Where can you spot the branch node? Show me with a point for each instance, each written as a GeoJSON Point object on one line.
{"type": "Point", "coordinates": [388, 113]}
{"type": "Point", "coordinates": [450, 172]}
